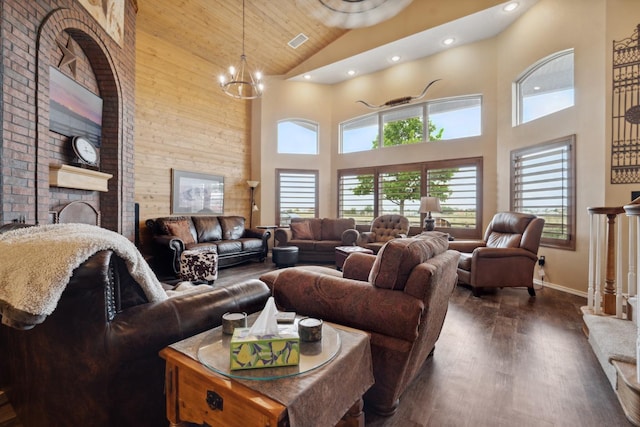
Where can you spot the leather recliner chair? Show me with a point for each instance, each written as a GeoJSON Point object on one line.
{"type": "Point", "coordinates": [507, 255]}
{"type": "Point", "coordinates": [94, 361]}
{"type": "Point", "coordinates": [399, 297]}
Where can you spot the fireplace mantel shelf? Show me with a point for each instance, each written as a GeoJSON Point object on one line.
{"type": "Point", "coordinates": [78, 178]}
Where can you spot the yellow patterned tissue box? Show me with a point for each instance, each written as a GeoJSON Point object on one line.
{"type": "Point", "coordinates": [251, 352]}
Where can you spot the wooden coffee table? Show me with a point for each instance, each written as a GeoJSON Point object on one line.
{"type": "Point", "coordinates": [198, 394]}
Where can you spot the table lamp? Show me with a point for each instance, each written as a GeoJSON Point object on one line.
{"type": "Point", "coordinates": [428, 205]}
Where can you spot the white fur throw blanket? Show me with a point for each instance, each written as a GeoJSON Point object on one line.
{"type": "Point", "coordinates": [37, 262]}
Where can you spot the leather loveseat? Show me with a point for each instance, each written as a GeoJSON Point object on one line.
{"type": "Point", "coordinates": [94, 360]}
{"type": "Point", "coordinates": [399, 296]}
{"type": "Point", "coordinates": [226, 235]}
{"type": "Point", "coordinates": [317, 238]}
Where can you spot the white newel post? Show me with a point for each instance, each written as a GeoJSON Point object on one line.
{"type": "Point", "coordinates": [597, 289]}
{"type": "Point", "coordinates": [633, 212]}
{"type": "Point", "coordinates": [634, 241]}
{"type": "Point", "coordinates": [619, 281]}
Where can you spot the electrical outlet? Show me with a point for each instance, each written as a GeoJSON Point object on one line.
{"type": "Point", "coordinates": [541, 261]}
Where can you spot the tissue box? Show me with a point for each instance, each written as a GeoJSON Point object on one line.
{"type": "Point", "coordinates": [250, 352]}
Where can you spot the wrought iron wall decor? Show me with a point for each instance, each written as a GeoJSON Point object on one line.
{"type": "Point", "coordinates": [625, 126]}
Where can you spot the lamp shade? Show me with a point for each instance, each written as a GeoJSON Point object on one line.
{"type": "Point", "coordinates": [430, 204]}
{"type": "Point", "coordinates": [253, 184]}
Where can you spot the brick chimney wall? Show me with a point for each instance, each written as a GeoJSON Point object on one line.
{"type": "Point", "coordinates": [31, 33]}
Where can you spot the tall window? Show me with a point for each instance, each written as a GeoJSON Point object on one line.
{"type": "Point", "coordinates": [452, 118]}
{"type": "Point", "coordinates": [296, 195]}
{"type": "Point", "coordinates": [297, 136]}
{"type": "Point", "coordinates": [459, 190]}
{"type": "Point", "coordinates": [359, 134]}
{"type": "Point", "coordinates": [543, 183]}
{"type": "Point", "coordinates": [457, 117]}
{"type": "Point", "coordinates": [545, 88]}
{"type": "Point", "coordinates": [403, 126]}
{"type": "Point", "coordinates": [355, 200]}
{"type": "Point", "coordinates": [399, 192]}
{"type": "Point", "coordinates": [366, 193]}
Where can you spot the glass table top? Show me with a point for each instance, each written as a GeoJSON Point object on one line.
{"type": "Point", "coordinates": [214, 353]}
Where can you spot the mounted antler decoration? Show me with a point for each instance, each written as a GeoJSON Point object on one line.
{"type": "Point", "coordinates": [400, 101]}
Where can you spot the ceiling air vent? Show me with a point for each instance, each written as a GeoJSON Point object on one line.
{"type": "Point", "coordinates": [298, 40]}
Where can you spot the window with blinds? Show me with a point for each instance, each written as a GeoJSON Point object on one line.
{"type": "Point", "coordinates": [366, 193]}
{"type": "Point", "coordinates": [355, 197]}
{"type": "Point", "coordinates": [297, 195]}
{"type": "Point", "coordinates": [543, 184]}
{"type": "Point", "coordinates": [458, 191]}
{"type": "Point", "coordinates": [400, 194]}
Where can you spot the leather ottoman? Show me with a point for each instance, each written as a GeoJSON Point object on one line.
{"type": "Point", "coordinates": [285, 256]}
{"type": "Point", "coordinates": [199, 265]}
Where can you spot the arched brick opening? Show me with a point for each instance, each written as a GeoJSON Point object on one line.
{"type": "Point", "coordinates": [82, 30]}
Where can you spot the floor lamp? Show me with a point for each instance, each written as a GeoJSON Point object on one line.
{"type": "Point", "coordinates": [254, 208]}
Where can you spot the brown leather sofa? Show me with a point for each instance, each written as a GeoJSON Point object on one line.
{"type": "Point", "coordinates": [94, 361]}
{"type": "Point", "coordinates": [226, 235]}
{"type": "Point", "coordinates": [383, 229]}
{"type": "Point", "coordinates": [399, 296]}
{"type": "Point", "coordinates": [507, 255]}
{"type": "Point", "coordinates": [317, 238]}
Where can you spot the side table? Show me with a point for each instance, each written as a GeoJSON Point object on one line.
{"type": "Point", "coordinates": [198, 394]}
{"type": "Point", "coordinates": [342, 252]}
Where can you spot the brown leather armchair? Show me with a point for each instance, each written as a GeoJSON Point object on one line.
{"type": "Point", "coordinates": [383, 229]}
{"type": "Point", "coordinates": [94, 360]}
{"type": "Point", "coordinates": [399, 296]}
{"type": "Point", "coordinates": [507, 255]}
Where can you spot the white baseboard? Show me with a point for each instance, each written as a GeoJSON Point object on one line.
{"type": "Point", "coordinates": [537, 282]}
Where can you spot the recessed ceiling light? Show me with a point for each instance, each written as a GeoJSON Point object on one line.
{"type": "Point", "coordinates": [351, 72]}
{"type": "Point", "coordinates": [395, 58]}
{"type": "Point", "coordinates": [510, 7]}
{"type": "Point", "coordinates": [536, 88]}
{"type": "Point", "coordinates": [307, 76]}
{"type": "Point", "coordinates": [448, 41]}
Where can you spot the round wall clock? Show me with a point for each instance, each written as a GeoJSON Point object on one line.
{"type": "Point", "coordinates": [85, 150]}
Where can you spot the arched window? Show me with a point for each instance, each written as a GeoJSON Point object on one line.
{"type": "Point", "coordinates": [297, 136]}
{"type": "Point", "coordinates": [546, 87]}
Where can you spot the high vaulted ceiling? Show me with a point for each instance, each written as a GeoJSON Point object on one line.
{"type": "Point", "coordinates": [212, 29]}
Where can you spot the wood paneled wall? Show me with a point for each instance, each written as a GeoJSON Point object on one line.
{"type": "Point", "coordinates": [185, 122]}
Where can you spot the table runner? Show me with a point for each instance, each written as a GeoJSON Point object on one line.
{"type": "Point", "coordinates": [320, 397]}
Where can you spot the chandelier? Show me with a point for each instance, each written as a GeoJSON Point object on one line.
{"type": "Point", "coordinates": [241, 83]}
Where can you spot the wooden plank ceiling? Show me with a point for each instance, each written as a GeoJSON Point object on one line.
{"type": "Point", "coordinates": [212, 29]}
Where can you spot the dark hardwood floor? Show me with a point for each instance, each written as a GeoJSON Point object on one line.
{"type": "Point", "coordinates": [504, 359]}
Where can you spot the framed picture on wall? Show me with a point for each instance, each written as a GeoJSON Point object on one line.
{"type": "Point", "coordinates": [74, 109]}
{"type": "Point", "coordinates": [196, 193]}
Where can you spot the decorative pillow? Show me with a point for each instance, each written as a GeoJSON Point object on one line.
{"type": "Point", "coordinates": [301, 231]}
{"type": "Point", "coordinates": [397, 257]}
{"type": "Point", "coordinates": [181, 230]}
